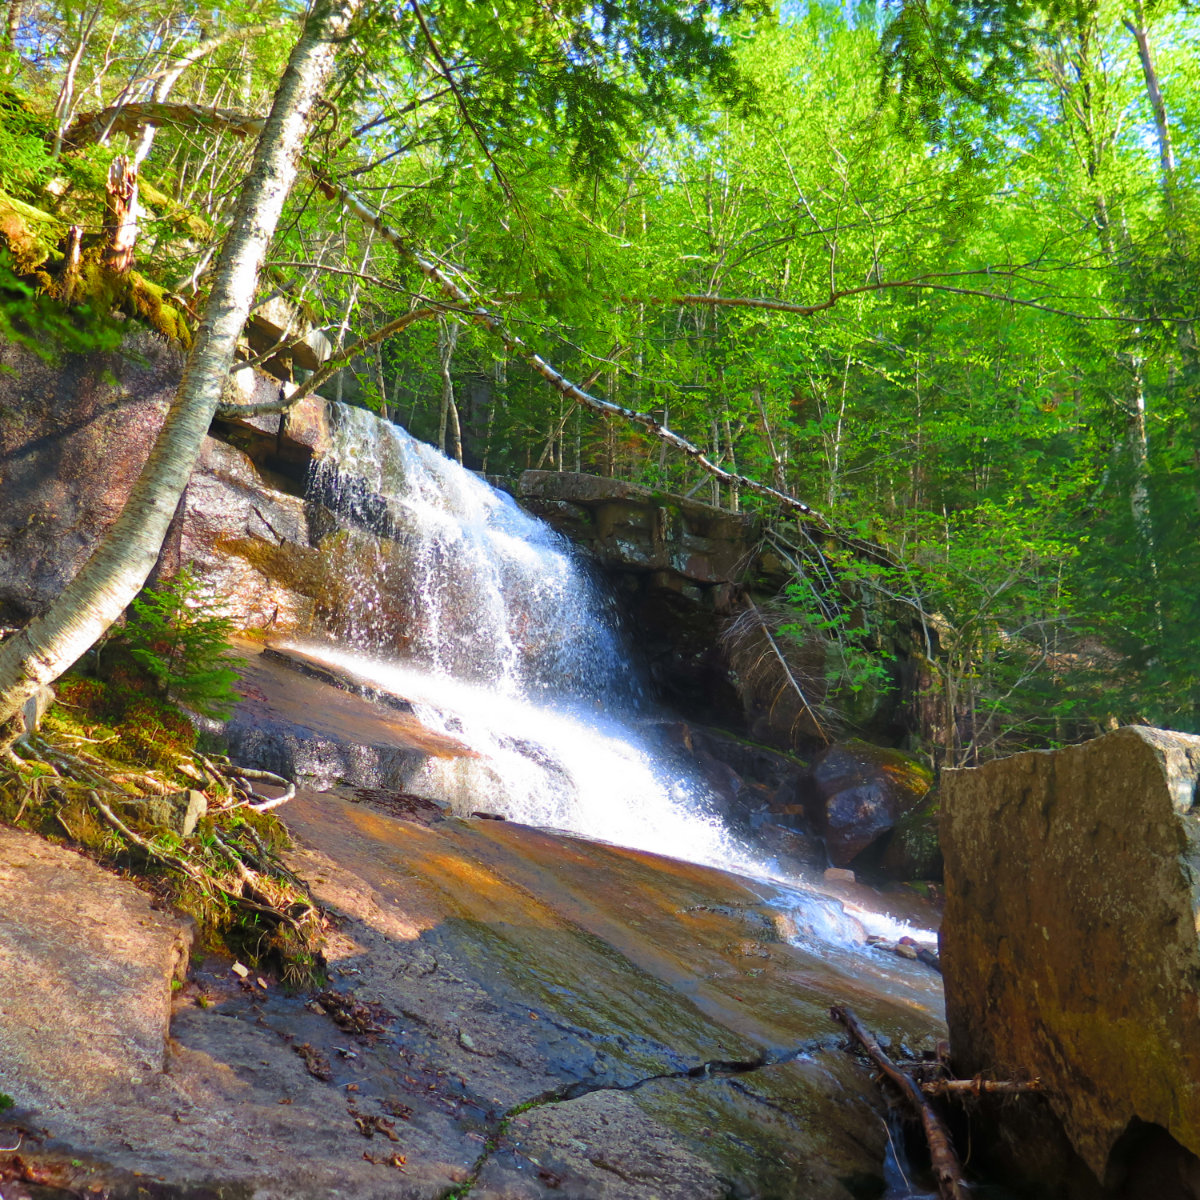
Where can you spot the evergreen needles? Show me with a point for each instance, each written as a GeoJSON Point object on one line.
{"type": "Point", "coordinates": [178, 635]}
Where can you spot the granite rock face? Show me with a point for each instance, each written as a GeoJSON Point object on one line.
{"type": "Point", "coordinates": [249, 542]}
{"type": "Point", "coordinates": [74, 436]}
{"type": "Point", "coordinates": [1070, 953]}
{"type": "Point", "coordinates": [509, 1011]}
{"type": "Point", "coordinates": [625, 523]}
{"type": "Point", "coordinates": [86, 966]}
{"type": "Point", "coordinates": [676, 566]}
{"type": "Point", "coordinates": [701, 591]}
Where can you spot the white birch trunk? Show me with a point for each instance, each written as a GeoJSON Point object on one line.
{"type": "Point", "coordinates": [45, 648]}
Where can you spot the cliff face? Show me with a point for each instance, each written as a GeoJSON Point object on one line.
{"type": "Point", "coordinates": [73, 438]}
{"type": "Point", "coordinates": [701, 589]}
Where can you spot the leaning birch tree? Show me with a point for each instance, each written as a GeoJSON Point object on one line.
{"type": "Point", "coordinates": [48, 646]}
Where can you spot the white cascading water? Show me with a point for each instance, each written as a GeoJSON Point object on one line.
{"type": "Point", "coordinates": [483, 618]}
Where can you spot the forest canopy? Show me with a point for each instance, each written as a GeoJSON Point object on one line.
{"type": "Point", "coordinates": [928, 267]}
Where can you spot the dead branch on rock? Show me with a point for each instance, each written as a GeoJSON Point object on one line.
{"type": "Point", "coordinates": [753, 608]}
{"type": "Point", "coordinates": [265, 803]}
{"type": "Point", "coordinates": [961, 1088]}
{"type": "Point", "coordinates": [777, 682]}
{"type": "Point", "coordinates": [947, 1170]}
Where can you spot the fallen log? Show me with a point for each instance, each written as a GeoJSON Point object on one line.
{"type": "Point", "coordinates": [947, 1170]}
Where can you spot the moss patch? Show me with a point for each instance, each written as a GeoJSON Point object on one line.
{"type": "Point", "coordinates": [175, 214]}
{"type": "Point", "coordinates": [32, 236]}
{"type": "Point", "coordinates": [103, 745]}
{"type": "Point", "coordinates": [130, 293]}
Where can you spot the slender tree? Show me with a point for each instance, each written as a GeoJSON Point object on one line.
{"type": "Point", "coordinates": [46, 647]}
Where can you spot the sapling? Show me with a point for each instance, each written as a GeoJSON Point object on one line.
{"type": "Point", "coordinates": [179, 636]}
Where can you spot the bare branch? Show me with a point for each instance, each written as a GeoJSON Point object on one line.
{"type": "Point", "coordinates": [329, 370]}
{"type": "Point", "coordinates": [129, 118]}
{"type": "Point", "coordinates": [488, 320]}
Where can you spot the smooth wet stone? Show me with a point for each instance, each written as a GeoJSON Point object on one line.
{"type": "Point", "coordinates": [291, 722]}
{"type": "Point", "coordinates": [639, 1023]}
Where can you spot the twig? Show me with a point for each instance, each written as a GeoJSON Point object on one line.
{"type": "Point", "coordinates": [947, 1170]}
{"type": "Point", "coordinates": [895, 1153]}
{"type": "Point", "coordinates": [979, 1086]}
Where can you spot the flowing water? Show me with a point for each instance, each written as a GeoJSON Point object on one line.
{"type": "Point", "coordinates": [484, 619]}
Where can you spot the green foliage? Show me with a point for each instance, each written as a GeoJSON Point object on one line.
{"type": "Point", "coordinates": [179, 637]}
{"type": "Point", "coordinates": [25, 162]}
{"type": "Point", "coordinates": [993, 294]}
{"type": "Point", "coordinates": [856, 665]}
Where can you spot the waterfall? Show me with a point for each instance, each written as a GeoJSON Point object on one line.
{"type": "Point", "coordinates": [490, 625]}
{"type": "Point", "coordinates": [486, 620]}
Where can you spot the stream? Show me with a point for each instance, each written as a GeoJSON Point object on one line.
{"type": "Point", "coordinates": [488, 623]}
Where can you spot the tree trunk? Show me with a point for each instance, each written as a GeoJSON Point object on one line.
{"type": "Point", "coordinates": [448, 411]}
{"type": "Point", "coordinates": [46, 647]}
{"type": "Point", "coordinates": [12, 23]}
{"type": "Point", "coordinates": [1162, 127]}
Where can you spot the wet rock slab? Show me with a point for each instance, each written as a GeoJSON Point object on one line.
{"type": "Point", "coordinates": [291, 722]}
{"type": "Point", "coordinates": [514, 1010]}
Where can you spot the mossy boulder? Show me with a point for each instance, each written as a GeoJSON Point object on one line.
{"type": "Point", "coordinates": [857, 792]}
{"type": "Point", "coordinates": [914, 850]}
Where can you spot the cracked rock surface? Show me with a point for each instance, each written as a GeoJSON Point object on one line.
{"type": "Point", "coordinates": [512, 1014]}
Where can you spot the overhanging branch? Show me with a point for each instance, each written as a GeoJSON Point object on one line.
{"type": "Point", "coordinates": [130, 118]}
{"type": "Point", "coordinates": [515, 344]}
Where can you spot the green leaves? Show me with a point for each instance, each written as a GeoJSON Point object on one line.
{"type": "Point", "coordinates": [179, 637]}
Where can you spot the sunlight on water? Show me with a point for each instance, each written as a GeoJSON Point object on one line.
{"type": "Point", "coordinates": [485, 621]}
{"type": "Point", "coordinates": [557, 767]}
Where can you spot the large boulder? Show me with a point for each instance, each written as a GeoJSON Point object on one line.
{"type": "Point", "coordinates": [859, 792]}
{"type": "Point", "coordinates": [1070, 953]}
